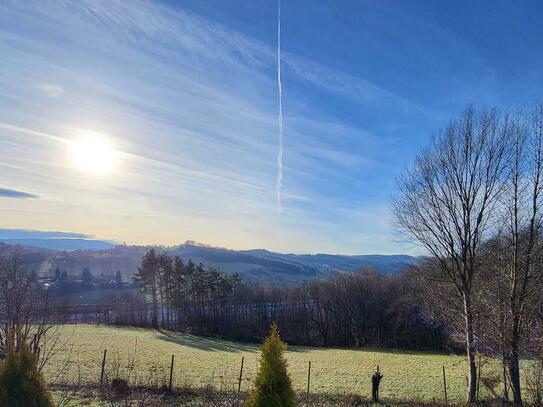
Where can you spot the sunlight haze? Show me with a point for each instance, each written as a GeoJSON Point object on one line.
{"type": "Point", "coordinates": [157, 122]}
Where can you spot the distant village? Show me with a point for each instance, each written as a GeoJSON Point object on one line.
{"type": "Point", "coordinates": [62, 284]}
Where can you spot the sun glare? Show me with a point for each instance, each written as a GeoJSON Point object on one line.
{"type": "Point", "coordinates": [92, 153]}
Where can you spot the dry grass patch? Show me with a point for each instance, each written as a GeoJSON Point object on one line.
{"type": "Point", "coordinates": [201, 362]}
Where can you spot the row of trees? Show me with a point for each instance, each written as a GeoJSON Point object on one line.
{"type": "Point", "coordinates": [178, 290]}
{"type": "Point", "coordinates": [473, 200]}
{"type": "Point", "coordinates": [359, 309]}
{"type": "Point", "coordinates": [86, 276]}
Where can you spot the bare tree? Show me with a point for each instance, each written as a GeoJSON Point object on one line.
{"type": "Point", "coordinates": [493, 298]}
{"type": "Point", "coordinates": [534, 377]}
{"type": "Point", "coordinates": [446, 202]}
{"type": "Point", "coordinates": [518, 245]}
{"type": "Point", "coordinates": [26, 317]}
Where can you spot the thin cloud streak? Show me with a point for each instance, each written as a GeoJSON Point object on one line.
{"type": "Point", "coordinates": [51, 90]}
{"type": "Point", "coordinates": [133, 156]}
{"type": "Point", "coordinates": [31, 132]}
{"type": "Point", "coordinates": [279, 182]}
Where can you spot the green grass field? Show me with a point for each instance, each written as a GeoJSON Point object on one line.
{"type": "Point", "coordinates": [203, 361]}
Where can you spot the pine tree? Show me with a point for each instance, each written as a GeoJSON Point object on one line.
{"type": "Point", "coordinates": [87, 277]}
{"type": "Point", "coordinates": [147, 278]}
{"type": "Point", "coordinates": [118, 278]}
{"type": "Point", "coordinates": [272, 386]}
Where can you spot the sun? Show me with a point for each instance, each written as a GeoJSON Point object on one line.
{"type": "Point", "coordinates": [93, 153]}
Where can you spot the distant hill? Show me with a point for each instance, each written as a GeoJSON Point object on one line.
{"type": "Point", "coordinates": [53, 240]}
{"type": "Point", "coordinates": [330, 263]}
{"type": "Point", "coordinates": [62, 244]}
{"type": "Point", "coordinates": [252, 265]}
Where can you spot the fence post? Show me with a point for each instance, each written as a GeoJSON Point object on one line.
{"type": "Point", "coordinates": [478, 376]}
{"type": "Point", "coordinates": [240, 377]}
{"type": "Point", "coordinates": [445, 386]}
{"type": "Point", "coordinates": [308, 381]}
{"type": "Point", "coordinates": [240, 373]}
{"type": "Point", "coordinates": [375, 382]}
{"type": "Point", "coordinates": [103, 367]}
{"type": "Point", "coordinates": [171, 372]}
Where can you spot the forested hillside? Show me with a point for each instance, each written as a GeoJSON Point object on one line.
{"type": "Point", "coordinates": [252, 265]}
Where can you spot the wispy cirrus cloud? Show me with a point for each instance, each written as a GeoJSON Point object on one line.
{"type": "Point", "coordinates": [50, 89]}
{"type": "Point", "coordinates": [355, 88]}
{"type": "Point", "coordinates": [192, 107]}
{"type": "Point", "coordinates": [180, 34]}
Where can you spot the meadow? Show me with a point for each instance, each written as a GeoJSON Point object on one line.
{"type": "Point", "coordinates": [143, 356]}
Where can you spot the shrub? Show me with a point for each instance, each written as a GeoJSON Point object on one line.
{"type": "Point", "coordinates": [272, 386]}
{"type": "Point", "coordinates": [21, 385]}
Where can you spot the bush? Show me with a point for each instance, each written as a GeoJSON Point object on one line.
{"type": "Point", "coordinates": [272, 386]}
{"type": "Point", "coordinates": [21, 385]}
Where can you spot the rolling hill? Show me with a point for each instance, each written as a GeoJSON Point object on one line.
{"type": "Point", "coordinates": [252, 265]}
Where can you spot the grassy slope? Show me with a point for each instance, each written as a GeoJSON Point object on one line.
{"type": "Point", "coordinates": [202, 361]}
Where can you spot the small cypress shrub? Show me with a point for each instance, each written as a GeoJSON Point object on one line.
{"type": "Point", "coordinates": [21, 384]}
{"type": "Point", "coordinates": [272, 385]}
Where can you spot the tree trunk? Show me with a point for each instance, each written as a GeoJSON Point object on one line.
{"type": "Point", "coordinates": [514, 373]}
{"type": "Point", "coordinates": [375, 381]}
{"type": "Point", "coordinates": [155, 305]}
{"type": "Point", "coordinates": [505, 381]}
{"type": "Point", "coordinates": [470, 350]}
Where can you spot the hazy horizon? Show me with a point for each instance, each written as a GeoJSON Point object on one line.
{"type": "Point", "coordinates": [16, 236]}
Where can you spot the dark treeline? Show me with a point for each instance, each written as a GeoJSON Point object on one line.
{"type": "Point", "coordinates": [355, 310]}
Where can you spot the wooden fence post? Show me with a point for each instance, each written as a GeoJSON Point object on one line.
{"type": "Point", "coordinates": [103, 367]}
{"type": "Point", "coordinates": [171, 373]}
{"type": "Point", "coordinates": [308, 381]}
{"type": "Point", "coordinates": [445, 386]}
{"type": "Point", "coordinates": [375, 382]}
{"type": "Point", "coordinates": [240, 378]}
{"type": "Point", "coordinates": [478, 376]}
{"type": "Point", "coordinates": [240, 373]}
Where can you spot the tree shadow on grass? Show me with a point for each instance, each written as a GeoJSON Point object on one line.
{"type": "Point", "coordinates": [208, 344]}
{"type": "Point", "coordinates": [217, 345]}
{"type": "Point", "coordinates": [300, 349]}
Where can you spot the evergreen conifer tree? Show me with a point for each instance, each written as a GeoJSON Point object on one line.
{"type": "Point", "coordinates": [272, 386]}
{"type": "Point", "coordinates": [21, 384]}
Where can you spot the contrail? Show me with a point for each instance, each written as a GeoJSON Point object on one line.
{"type": "Point", "coordinates": [279, 181]}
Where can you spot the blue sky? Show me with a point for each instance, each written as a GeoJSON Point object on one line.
{"type": "Point", "coordinates": [186, 93]}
